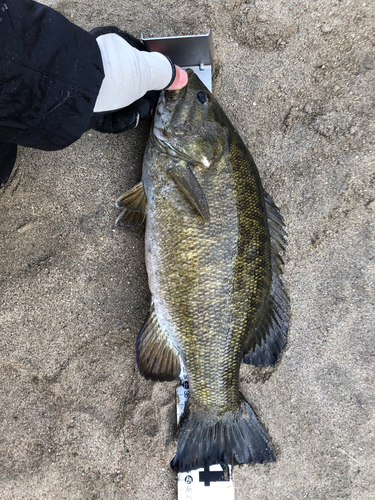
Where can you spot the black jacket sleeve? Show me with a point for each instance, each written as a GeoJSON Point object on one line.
{"type": "Point", "coordinates": [50, 76]}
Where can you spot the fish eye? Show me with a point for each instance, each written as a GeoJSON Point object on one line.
{"type": "Point", "coordinates": [202, 98]}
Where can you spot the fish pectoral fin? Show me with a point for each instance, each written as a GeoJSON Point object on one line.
{"type": "Point", "coordinates": [134, 205]}
{"type": "Point", "coordinates": [157, 359]}
{"type": "Point", "coordinates": [134, 200]}
{"type": "Point", "coordinates": [187, 182]}
{"type": "Point", "coordinates": [265, 342]}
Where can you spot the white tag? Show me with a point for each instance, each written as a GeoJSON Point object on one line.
{"type": "Point", "coordinates": [182, 392]}
{"type": "Point", "coordinates": [211, 483]}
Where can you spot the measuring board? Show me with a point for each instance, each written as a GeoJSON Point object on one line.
{"type": "Point", "coordinates": [211, 483]}
{"type": "Point", "coordinates": [214, 482]}
{"type": "Point", "coordinates": [191, 51]}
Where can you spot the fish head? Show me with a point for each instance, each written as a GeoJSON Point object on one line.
{"type": "Point", "coordinates": [188, 124]}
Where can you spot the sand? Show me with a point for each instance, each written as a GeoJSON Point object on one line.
{"type": "Point", "coordinates": [77, 421]}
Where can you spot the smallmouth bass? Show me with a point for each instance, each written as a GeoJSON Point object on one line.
{"type": "Point", "coordinates": [213, 244]}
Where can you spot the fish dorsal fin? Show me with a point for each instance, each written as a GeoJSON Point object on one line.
{"type": "Point", "coordinates": [134, 205]}
{"type": "Point", "coordinates": [268, 339]}
{"type": "Point", "coordinates": [156, 357]}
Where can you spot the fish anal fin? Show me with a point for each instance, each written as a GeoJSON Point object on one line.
{"type": "Point", "coordinates": [156, 357]}
{"type": "Point", "coordinates": [266, 341]}
{"type": "Point", "coordinates": [134, 200]}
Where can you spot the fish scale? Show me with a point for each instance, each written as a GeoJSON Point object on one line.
{"type": "Point", "coordinates": [213, 268]}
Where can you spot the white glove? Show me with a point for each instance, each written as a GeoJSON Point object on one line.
{"type": "Point", "coordinates": [129, 73]}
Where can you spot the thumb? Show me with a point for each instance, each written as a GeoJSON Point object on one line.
{"type": "Point", "coordinates": [180, 80]}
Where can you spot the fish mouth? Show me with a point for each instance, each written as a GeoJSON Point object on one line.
{"type": "Point", "coordinates": [167, 101]}
{"type": "Point", "coordinates": [162, 116]}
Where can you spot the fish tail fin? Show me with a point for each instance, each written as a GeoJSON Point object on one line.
{"type": "Point", "coordinates": [236, 438]}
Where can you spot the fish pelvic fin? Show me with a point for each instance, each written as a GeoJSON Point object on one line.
{"type": "Point", "coordinates": [156, 357]}
{"type": "Point", "coordinates": [268, 339]}
{"type": "Point", "coordinates": [134, 200]}
{"type": "Point", "coordinates": [130, 219]}
{"type": "Point", "coordinates": [236, 438]}
{"type": "Point", "coordinates": [134, 207]}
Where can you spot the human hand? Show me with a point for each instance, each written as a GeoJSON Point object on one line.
{"type": "Point", "coordinates": [133, 78]}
